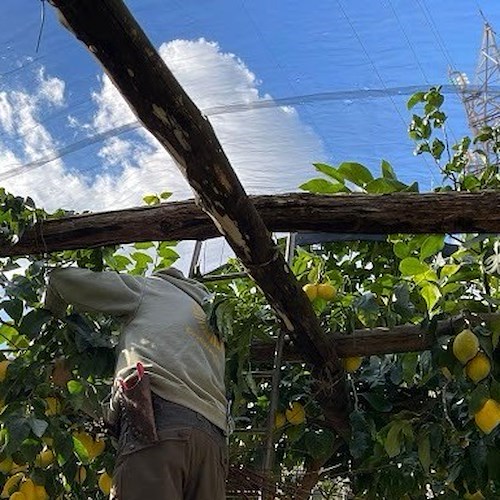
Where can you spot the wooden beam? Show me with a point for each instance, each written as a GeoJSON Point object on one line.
{"type": "Point", "coordinates": [394, 213]}
{"type": "Point", "coordinates": [112, 35]}
{"type": "Point", "coordinates": [374, 341]}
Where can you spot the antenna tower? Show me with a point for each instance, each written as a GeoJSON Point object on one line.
{"type": "Point", "coordinates": [482, 99]}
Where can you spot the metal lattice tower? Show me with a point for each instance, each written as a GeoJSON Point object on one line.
{"type": "Point", "coordinates": [481, 100]}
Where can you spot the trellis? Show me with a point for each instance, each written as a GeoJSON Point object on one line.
{"type": "Point", "coordinates": [112, 35]}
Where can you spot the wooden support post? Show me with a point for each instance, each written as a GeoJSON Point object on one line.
{"type": "Point", "coordinates": [395, 213]}
{"type": "Point", "coordinates": [112, 35]}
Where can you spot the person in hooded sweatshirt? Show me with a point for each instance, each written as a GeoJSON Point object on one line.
{"type": "Point", "coordinates": [165, 329]}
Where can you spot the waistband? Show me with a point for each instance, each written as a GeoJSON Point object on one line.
{"type": "Point", "coordinates": [168, 414]}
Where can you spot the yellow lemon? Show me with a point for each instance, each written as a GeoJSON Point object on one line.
{"type": "Point", "coordinates": [488, 417]}
{"type": "Point", "coordinates": [295, 414]}
{"type": "Point", "coordinates": [11, 484]}
{"type": "Point", "coordinates": [311, 290]}
{"type": "Point", "coordinates": [352, 363]}
{"type": "Point", "coordinates": [53, 406]}
{"type": "Point", "coordinates": [97, 448]}
{"type": "Point", "coordinates": [6, 465]}
{"type": "Point", "coordinates": [44, 459]}
{"type": "Point", "coordinates": [81, 475]}
{"type": "Point", "coordinates": [474, 496]}
{"type": "Point", "coordinates": [3, 369]}
{"type": "Point", "coordinates": [17, 495]}
{"type": "Point", "coordinates": [41, 492]}
{"type": "Point", "coordinates": [478, 367]}
{"type": "Point", "coordinates": [27, 488]}
{"type": "Point", "coordinates": [279, 420]}
{"type": "Point", "coordinates": [94, 448]}
{"type": "Point", "coordinates": [465, 346]}
{"type": "Point", "coordinates": [105, 482]}
{"type": "Point", "coordinates": [326, 291]}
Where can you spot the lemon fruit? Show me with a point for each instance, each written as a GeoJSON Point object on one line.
{"type": "Point", "coordinates": [311, 290]}
{"type": "Point", "coordinates": [41, 492]}
{"type": "Point", "coordinates": [105, 482]}
{"type": "Point", "coordinates": [93, 448]}
{"type": "Point", "coordinates": [474, 496]}
{"type": "Point", "coordinates": [97, 448]}
{"type": "Point", "coordinates": [11, 484]}
{"type": "Point", "coordinates": [279, 420]}
{"type": "Point", "coordinates": [488, 417]}
{"type": "Point", "coordinates": [53, 406]}
{"type": "Point", "coordinates": [352, 363]}
{"type": "Point", "coordinates": [6, 465]}
{"type": "Point", "coordinates": [3, 369]}
{"type": "Point", "coordinates": [17, 495]}
{"type": "Point", "coordinates": [28, 489]}
{"type": "Point", "coordinates": [478, 367]}
{"type": "Point", "coordinates": [295, 414]}
{"type": "Point", "coordinates": [326, 291]}
{"type": "Point", "coordinates": [465, 346]}
{"type": "Point", "coordinates": [44, 459]}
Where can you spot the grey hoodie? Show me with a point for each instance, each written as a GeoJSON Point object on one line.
{"type": "Point", "coordinates": [164, 327]}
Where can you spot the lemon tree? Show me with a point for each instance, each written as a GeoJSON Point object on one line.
{"type": "Point", "coordinates": [423, 424]}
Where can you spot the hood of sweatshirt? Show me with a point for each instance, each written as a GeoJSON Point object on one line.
{"type": "Point", "coordinates": [192, 287]}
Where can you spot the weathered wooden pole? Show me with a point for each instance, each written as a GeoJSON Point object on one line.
{"type": "Point", "coordinates": [395, 213]}
{"type": "Point", "coordinates": [112, 35]}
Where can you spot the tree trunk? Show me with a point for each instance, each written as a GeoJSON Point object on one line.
{"type": "Point", "coordinates": [113, 36]}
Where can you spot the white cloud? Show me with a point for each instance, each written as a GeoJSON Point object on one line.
{"type": "Point", "coordinates": [267, 146]}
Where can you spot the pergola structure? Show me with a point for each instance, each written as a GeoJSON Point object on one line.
{"type": "Point", "coordinates": [221, 207]}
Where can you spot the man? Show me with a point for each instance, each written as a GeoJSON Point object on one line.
{"type": "Point", "coordinates": [165, 330]}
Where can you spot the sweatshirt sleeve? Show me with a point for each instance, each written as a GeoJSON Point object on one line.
{"type": "Point", "coordinates": [107, 292]}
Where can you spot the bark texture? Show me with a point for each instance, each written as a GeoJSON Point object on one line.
{"type": "Point", "coordinates": [295, 212]}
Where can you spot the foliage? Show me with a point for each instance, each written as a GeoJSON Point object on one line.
{"type": "Point", "coordinates": [413, 431]}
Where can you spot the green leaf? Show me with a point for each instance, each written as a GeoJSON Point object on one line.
{"type": "Point", "coordinates": [151, 199]}
{"type": "Point", "coordinates": [401, 249]}
{"type": "Point", "coordinates": [360, 436]}
{"type": "Point", "coordinates": [377, 401]}
{"type": "Point", "coordinates": [80, 450]}
{"type": "Point", "coordinates": [32, 323]}
{"type": "Point", "coordinates": [431, 246]}
{"type": "Point", "coordinates": [387, 170]}
{"type": "Point", "coordinates": [449, 270]}
{"type": "Point", "coordinates": [38, 426]}
{"type": "Point", "coordinates": [382, 185]}
{"type": "Point", "coordinates": [431, 295]}
{"type": "Point", "coordinates": [319, 443]}
{"type": "Point", "coordinates": [330, 171]}
{"type": "Point", "coordinates": [74, 387]}
{"type": "Point", "coordinates": [495, 390]}
{"type": "Point", "coordinates": [477, 398]}
{"type": "Point", "coordinates": [415, 99]}
{"type": "Point", "coordinates": [165, 195]}
{"type": "Point", "coordinates": [424, 451]}
{"type": "Point", "coordinates": [144, 245]}
{"type": "Point", "coordinates": [18, 429]}
{"type": "Point", "coordinates": [392, 444]}
{"type": "Point", "coordinates": [411, 266]}
{"type": "Point", "coordinates": [493, 461]}
{"type": "Point", "coordinates": [14, 308]}
{"type": "Point", "coordinates": [323, 186]}
{"type": "Point", "coordinates": [142, 259]}
{"type": "Point", "coordinates": [356, 173]}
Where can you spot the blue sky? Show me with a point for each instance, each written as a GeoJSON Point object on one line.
{"type": "Point", "coordinates": [257, 54]}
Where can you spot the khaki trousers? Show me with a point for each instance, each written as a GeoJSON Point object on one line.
{"type": "Point", "coordinates": [186, 464]}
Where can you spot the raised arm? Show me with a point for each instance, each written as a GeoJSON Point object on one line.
{"type": "Point", "coordinates": [107, 292]}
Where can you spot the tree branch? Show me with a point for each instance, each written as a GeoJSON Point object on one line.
{"type": "Point", "coordinates": [297, 212]}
